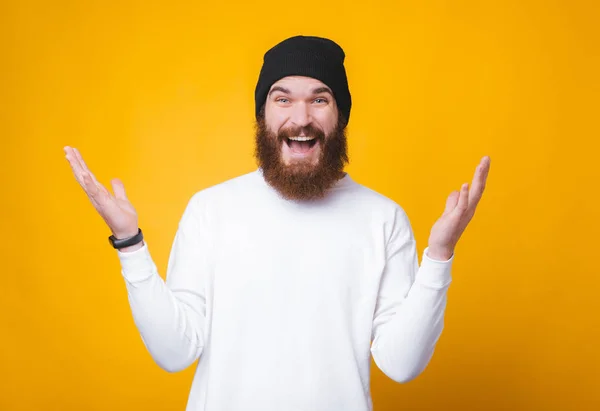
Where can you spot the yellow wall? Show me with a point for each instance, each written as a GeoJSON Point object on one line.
{"type": "Point", "coordinates": [162, 97]}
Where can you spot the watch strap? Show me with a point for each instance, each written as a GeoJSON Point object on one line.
{"type": "Point", "coordinates": [126, 242]}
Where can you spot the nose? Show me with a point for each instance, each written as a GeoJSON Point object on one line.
{"type": "Point", "coordinates": [300, 116]}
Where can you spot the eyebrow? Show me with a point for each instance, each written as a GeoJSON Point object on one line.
{"type": "Point", "coordinates": [320, 90]}
{"type": "Point", "coordinates": [284, 90]}
{"type": "Point", "coordinates": [279, 88]}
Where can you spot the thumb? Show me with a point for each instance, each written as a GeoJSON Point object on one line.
{"type": "Point", "coordinates": [451, 201]}
{"type": "Point", "coordinates": [118, 189]}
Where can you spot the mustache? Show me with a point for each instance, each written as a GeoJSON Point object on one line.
{"type": "Point", "coordinates": [309, 131]}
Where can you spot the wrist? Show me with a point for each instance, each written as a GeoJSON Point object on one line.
{"type": "Point", "coordinates": [119, 235]}
{"type": "Point", "coordinates": [124, 242]}
{"type": "Point", "coordinates": [439, 253]}
{"type": "Point", "coordinates": [132, 248]}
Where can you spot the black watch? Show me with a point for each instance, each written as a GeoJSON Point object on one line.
{"type": "Point", "coordinates": [126, 242]}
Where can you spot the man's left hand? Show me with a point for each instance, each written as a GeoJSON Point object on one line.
{"type": "Point", "coordinates": [460, 208]}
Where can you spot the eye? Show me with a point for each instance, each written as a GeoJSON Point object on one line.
{"type": "Point", "coordinates": [282, 100]}
{"type": "Point", "coordinates": [320, 100]}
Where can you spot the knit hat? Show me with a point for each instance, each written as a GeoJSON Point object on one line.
{"type": "Point", "coordinates": [309, 56]}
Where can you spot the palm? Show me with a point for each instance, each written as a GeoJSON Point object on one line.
{"type": "Point", "coordinates": [446, 230]}
{"type": "Point", "coordinates": [460, 208]}
{"type": "Point", "coordinates": [116, 210]}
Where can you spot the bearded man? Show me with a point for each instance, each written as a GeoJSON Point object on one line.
{"type": "Point", "coordinates": [284, 281]}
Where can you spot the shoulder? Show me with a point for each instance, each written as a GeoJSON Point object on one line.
{"type": "Point", "coordinates": [381, 211]}
{"type": "Point", "coordinates": [377, 202]}
{"type": "Point", "coordinates": [233, 187]}
{"type": "Point", "coordinates": [227, 193]}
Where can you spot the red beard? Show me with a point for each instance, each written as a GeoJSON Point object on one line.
{"type": "Point", "coordinates": [301, 181]}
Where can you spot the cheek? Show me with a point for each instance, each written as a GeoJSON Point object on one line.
{"type": "Point", "coordinates": [274, 121]}
{"type": "Point", "coordinates": [327, 122]}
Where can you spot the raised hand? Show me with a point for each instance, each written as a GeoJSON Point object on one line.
{"type": "Point", "coordinates": [460, 208]}
{"type": "Point", "coordinates": [116, 210]}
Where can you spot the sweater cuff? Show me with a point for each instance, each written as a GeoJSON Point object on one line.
{"type": "Point", "coordinates": [136, 265]}
{"type": "Point", "coordinates": [435, 273]}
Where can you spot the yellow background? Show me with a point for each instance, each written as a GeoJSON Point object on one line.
{"type": "Point", "coordinates": [161, 96]}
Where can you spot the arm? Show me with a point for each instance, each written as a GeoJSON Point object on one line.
{"type": "Point", "coordinates": [409, 314]}
{"type": "Point", "coordinates": [170, 316]}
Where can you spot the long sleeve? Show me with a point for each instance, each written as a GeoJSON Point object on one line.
{"type": "Point", "coordinates": [170, 316]}
{"type": "Point", "coordinates": [409, 314]}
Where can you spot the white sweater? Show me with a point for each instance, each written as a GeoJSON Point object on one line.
{"type": "Point", "coordinates": [284, 302]}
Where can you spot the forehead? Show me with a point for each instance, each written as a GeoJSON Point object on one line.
{"type": "Point", "coordinates": [299, 84]}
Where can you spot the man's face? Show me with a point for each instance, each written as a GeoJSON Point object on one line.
{"type": "Point", "coordinates": [297, 105]}
{"type": "Point", "coordinates": [300, 141]}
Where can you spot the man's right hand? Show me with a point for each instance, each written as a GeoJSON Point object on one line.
{"type": "Point", "coordinates": [116, 210]}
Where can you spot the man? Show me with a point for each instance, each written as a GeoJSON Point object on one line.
{"type": "Point", "coordinates": [284, 281]}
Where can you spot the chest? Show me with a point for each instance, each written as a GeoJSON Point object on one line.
{"type": "Point", "coordinates": [296, 264]}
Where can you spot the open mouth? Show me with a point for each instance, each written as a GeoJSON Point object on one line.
{"type": "Point", "coordinates": [301, 144]}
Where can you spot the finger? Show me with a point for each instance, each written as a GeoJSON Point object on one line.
{"type": "Point", "coordinates": [89, 186]}
{"type": "Point", "coordinates": [75, 163]}
{"type": "Point", "coordinates": [451, 201]}
{"type": "Point", "coordinates": [72, 158]}
{"type": "Point", "coordinates": [68, 150]}
{"type": "Point", "coordinates": [76, 168]}
{"type": "Point", "coordinates": [86, 169]}
{"type": "Point", "coordinates": [81, 162]}
{"type": "Point", "coordinates": [118, 189]}
{"type": "Point", "coordinates": [75, 158]}
{"type": "Point", "coordinates": [479, 181]}
{"type": "Point", "coordinates": [83, 165]}
{"type": "Point", "coordinates": [98, 194]}
{"type": "Point", "coordinates": [463, 199]}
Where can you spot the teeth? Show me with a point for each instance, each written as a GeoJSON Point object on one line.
{"type": "Point", "coordinates": [302, 138]}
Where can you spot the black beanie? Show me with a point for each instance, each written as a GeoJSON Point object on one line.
{"type": "Point", "coordinates": [309, 56]}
